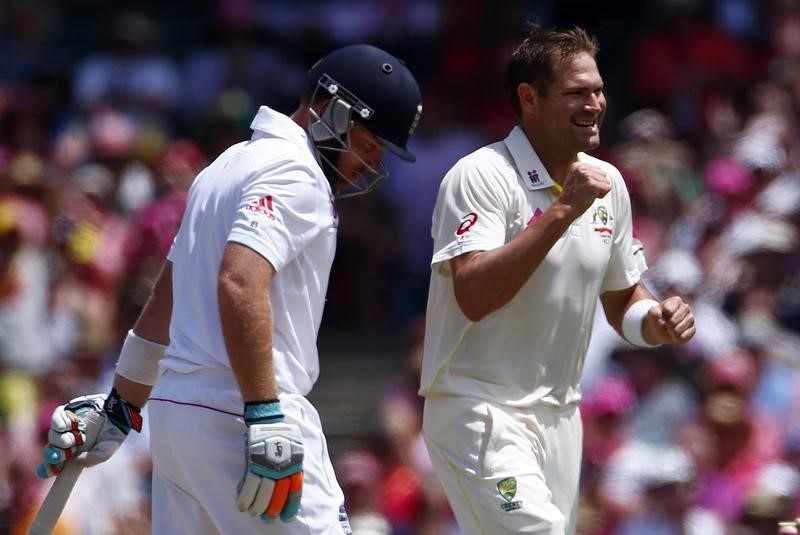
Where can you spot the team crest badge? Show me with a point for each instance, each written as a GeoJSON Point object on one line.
{"type": "Point", "coordinates": [600, 222]}
{"type": "Point", "coordinates": [508, 489]}
{"type": "Point", "coordinates": [602, 214]}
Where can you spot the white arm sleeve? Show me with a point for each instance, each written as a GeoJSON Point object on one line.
{"type": "Point", "coordinates": [633, 322]}
{"type": "Point", "coordinates": [138, 359]}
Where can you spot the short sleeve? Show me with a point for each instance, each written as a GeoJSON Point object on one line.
{"type": "Point", "coordinates": [278, 214]}
{"type": "Point", "coordinates": [626, 264]}
{"type": "Point", "coordinates": [470, 212]}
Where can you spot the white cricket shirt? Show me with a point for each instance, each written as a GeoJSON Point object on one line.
{"type": "Point", "coordinates": [531, 350]}
{"type": "Point", "coordinates": [269, 194]}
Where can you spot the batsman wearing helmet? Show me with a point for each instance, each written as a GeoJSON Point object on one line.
{"type": "Point", "coordinates": [528, 232]}
{"type": "Point", "coordinates": [225, 348]}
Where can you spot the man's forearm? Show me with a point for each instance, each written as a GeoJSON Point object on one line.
{"type": "Point", "coordinates": [247, 328]}
{"type": "Point", "coordinates": [153, 322]}
{"type": "Point", "coordinates": [488, 280]}
{"type": "Point", "coordinates": [245, 311]}
{"type": "Point", "coordinates": [142, 350]}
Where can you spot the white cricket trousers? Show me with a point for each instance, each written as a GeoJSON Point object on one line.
{"type": "Point", "coordinates": [506, 470]}
{"type": "Point", "coordinates": [197, 445]}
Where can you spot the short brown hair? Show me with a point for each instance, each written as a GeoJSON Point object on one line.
{"type": "Point", "coordinates": [535, 60]}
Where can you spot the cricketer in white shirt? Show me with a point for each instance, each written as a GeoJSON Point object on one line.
{"type": "Point", "coordinates": [270, 194]}
{"type": "Point", "coordinates": [501, 393]}
{"type": "Point", "coordinates": [228, 334]}
{"type": "Point", "coordinates": [543, 332]}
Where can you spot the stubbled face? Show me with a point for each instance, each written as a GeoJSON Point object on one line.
{"type": "Point", "coordinates": [568, 118]}
{"type": "Point", "coordinates": [363, 145]}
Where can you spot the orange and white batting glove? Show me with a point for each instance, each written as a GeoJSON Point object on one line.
{"type": "Point", "coordinates": [273, 481]}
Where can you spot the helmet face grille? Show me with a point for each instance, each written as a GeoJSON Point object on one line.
{"type": "Point", "coordinates": [335, 89]}
{"type": "Point", "coordinates": [330, 135]}
{"type": "Point", "coordinates": [379, 86]}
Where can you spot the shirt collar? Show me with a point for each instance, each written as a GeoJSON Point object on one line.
{"type": "Point", "coordinates": [529, 166]}
{"type": "Point", "coordinates": [269, 122]}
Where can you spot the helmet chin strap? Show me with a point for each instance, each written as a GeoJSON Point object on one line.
{"type": "Point", "coordinates": [328, 161]}
{"type": "Point", "coordinates": [329, 152]}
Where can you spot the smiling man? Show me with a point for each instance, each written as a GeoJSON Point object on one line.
{"type": "Point", "coordinates": [528, 232]}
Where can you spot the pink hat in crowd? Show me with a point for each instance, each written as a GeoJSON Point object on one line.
{"type": "Point", "coordinates": [112, 132]}
{"type": "Point", "coordinates": [736, 368]}
{"type": "Point", "coordinates": [609, 396]}
{"type": "Point", "coordinates": [727, 177]}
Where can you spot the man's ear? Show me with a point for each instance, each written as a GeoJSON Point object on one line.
{"type": "Point", "coordinates": [528, 97]}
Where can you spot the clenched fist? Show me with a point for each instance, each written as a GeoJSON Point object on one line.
{"type": "Point", "coordinates": [584, 184]}
{"type": "Point", "coordinates": [670, 322]}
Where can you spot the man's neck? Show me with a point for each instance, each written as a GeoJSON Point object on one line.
{"type": "Point", "coordinates": [301, 116]}
{"type": "Point", "coordinates": [555, 161]}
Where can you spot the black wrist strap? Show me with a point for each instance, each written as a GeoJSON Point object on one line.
{"type": "Point", "coordinates": [123, 414]}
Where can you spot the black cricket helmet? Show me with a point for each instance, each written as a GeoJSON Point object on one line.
{"type": "Point", "coordinates": [369, 85]}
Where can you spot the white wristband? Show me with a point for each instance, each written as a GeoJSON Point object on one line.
{"type": "Point", "coordinates": [633, 321]}
{"type": "Point", "coordinates": [138, 359]}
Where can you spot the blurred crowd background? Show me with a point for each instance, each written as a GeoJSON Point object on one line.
{"type": "Point", "coordinates": [107, 111]}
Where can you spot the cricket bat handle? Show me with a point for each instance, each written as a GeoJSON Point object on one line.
{"type": "Point", "coordinates": [56, 499]}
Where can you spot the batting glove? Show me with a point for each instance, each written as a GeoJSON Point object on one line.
{"type": "Point", "coordinates": [109, 418]}
{"type": "Point", "coordinates": [273, 481]}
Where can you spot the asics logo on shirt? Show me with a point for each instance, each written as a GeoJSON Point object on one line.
{"type": "Point", "coordinates": [466, 223]}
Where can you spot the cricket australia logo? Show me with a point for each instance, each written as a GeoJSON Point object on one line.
{"type": "Point", "coordinates": [508, 489]}
{"type": "Point", "coordinates": [600, 221]}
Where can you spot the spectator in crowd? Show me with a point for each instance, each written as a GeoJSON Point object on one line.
{"type": "Point", "coordinates": [131, 72]}
{"type": "Point", "coordinates": [658, 495]}
{"type": "Point", "coordinates": [743, 440]}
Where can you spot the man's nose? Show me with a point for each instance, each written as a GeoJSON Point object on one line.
{"type": "Point", "coordinates": [594, 103]}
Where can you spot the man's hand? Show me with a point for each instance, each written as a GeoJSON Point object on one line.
{"type": "Point", "coordinates": [583, 185]}
{"type": "Point", "coordinates": [109, 418]}
{"type": "Point", "coordinates": [273, 482]}
{"type": "Point", "coordinates": [670, 322]}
